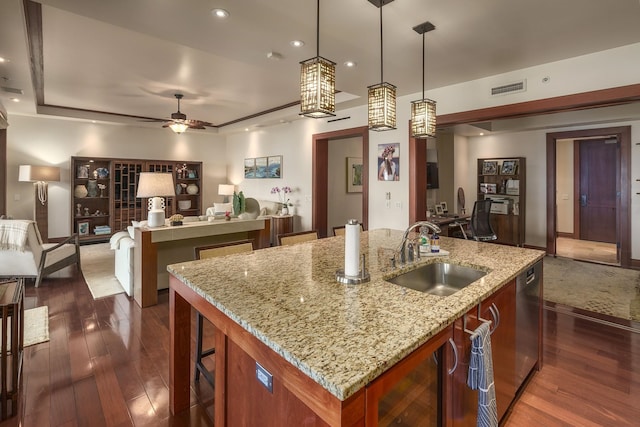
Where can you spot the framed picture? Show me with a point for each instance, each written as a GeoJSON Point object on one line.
{"type": "Point", "coordinates": [489, 167]}
{"type": "Point", "coordinates": [508, 167]}
{"type": "Point", "coordinates": [354, 174]}
{"type": "Point", "coordinates": [249, 168]}
{"type": "Point", "coordinates": [443, 205]}
{"type": "Point", "coordinates": [389, 162]}
{"type": "Point", "coordinates": [83, 171]}
{"type": "Point", "coordinates": [83, 228]}
{"type": "Point", "coordinates": [439, 211]}
{"type": "Point", "coordinates": [274, 167]}
{"type": "Point", "coordinates": [261, 167]}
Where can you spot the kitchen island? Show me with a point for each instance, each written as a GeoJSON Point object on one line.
{"type": "Point", "coordinates": [318, 343]}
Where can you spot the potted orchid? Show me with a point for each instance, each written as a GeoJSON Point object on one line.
{"type": "Point", "coordinates": [282, 193]}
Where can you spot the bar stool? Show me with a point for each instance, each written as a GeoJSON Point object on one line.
{"type": "Point", "coordinates": [204, 252]}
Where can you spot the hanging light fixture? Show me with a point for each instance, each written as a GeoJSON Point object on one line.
{"type": "Point", "coordinates": [317, 82]}
{"type": "Point", "coordinates": [423, 111]}
{"type": "Point", "coordinates": [382, 96]}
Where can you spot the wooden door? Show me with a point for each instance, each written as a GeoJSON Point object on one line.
{"type": "Point", "coordinates": [598, 182]}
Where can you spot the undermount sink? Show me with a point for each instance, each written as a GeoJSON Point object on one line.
{"type": "Point", "coordinates": [440, 279]}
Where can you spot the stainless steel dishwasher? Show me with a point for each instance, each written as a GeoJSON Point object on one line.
{"type": "Point", "coordinates": [528, 300]}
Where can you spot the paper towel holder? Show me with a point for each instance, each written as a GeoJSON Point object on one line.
{"type": "Point", "coordinates": [362, 277]}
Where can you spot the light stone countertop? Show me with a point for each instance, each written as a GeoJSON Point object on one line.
{"type": "Point", "coordinates": [344, 336]}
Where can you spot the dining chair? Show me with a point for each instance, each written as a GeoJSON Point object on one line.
{"type": "Point", "coordinates": [339, 230]}
{"type": "Point", "coordinates": [206, 252]}
{"type": "Point", "coordinates": [297, 237]}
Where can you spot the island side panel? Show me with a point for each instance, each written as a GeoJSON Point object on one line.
{"type": "Point", "coordinates": [179, 360]}
{"type": "Point", "coordinates": [145, 267]}
{"type": "Point", "coordinates": [236, 371]}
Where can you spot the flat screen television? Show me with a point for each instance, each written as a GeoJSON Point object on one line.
{"type": "Point", "coordinates": [432, 175]}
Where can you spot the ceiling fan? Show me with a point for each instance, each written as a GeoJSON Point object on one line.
{"type": "Point", "coordinates": [179, 122]}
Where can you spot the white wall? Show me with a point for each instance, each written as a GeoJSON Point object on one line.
{"type": "Point", "coordinates": [564, 185]}
{"type": "Point", "coordinates": [342, 206]}
{"type": "Point", "coordinates": [51, 141]}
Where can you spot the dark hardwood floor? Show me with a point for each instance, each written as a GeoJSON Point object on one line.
{"type": "Point", "coordinates": [107, 364]}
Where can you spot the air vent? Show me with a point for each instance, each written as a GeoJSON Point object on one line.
{"type": "Point", "coordinates": [12, 90]}
{"type": "Point", "coordinates": [520, 86]}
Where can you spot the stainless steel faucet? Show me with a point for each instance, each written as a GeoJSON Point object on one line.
{"type": "Point", "coordinates": [434, 228]}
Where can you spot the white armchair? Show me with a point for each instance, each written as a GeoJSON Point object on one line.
{"type": "Point", "coordinates": [22, 253]}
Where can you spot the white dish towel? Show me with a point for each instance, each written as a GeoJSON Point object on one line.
{"type": "Point", "coordinates": [480, 376]}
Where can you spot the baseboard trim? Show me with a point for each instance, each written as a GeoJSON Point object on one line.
{"type": "Point", "coordinates": [567, 235]}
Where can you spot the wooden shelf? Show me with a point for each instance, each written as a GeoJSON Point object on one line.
{"type": "Point", "coordinates": [510, 225]}
{"type": "Point", "coordinates": [121, 189]}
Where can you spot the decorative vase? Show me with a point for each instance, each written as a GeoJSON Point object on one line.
{"type": "Point", "coordinates": [178, 189]}
{"type": "Point", "coordinates": [80, 191]}
{"type": "Point", "coordinates": [285, 210]}
{"type": "Point", "coordinates": [192, 189]}
{"type": "Point", "coordinates": [92, 188]}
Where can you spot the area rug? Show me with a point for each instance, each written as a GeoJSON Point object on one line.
{"type": "Point", "coordinates": [36, 325]}
{"type": "Point", "coordinates": [98, 269]}
{"type": "Point", "coordinates": [593, 287]}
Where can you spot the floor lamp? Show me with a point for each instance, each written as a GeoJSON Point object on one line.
{"type": "Point", "coordinates": [40, 176]}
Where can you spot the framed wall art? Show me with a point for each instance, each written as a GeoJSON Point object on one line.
{"type": "Point", "coordinates": [261, 167]}
{"type": "Point", "coordinates": [354, 174]}
{"type": "Point", "coordinates": [389, 162]}
{"type": "Point", "coordinates": [250, 168]}
{"type": "Point", "coordinates": [274, 167]}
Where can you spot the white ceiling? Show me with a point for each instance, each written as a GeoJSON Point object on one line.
{"type": "Point", "coordinates": [130, 56]}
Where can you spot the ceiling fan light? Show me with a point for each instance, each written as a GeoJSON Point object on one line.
{"type": "Point", "coordinates": [382, 107]}
{"type": "Point", "coordinates": [178, 127]}
{"type": "Point", "coordinates": [317, 88]}
{"type": "Point", "coordinates": [423, 118]}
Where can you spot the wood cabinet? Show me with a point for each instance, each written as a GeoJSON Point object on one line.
{"type": "Point", "coordinates": [96, 216]}
{"type": "Point", "coordinates": [91, 191]}
{"type": "Point", "coordinates": [504, 181]}
{"type": "Point", "coordinates": [462, 402]}
{"type": "Point", "coordinates": [280, 224]}
{"type": "Point", "coordinates": [11, 346]}
{"type": "Point", "coordinates": [409, 393]}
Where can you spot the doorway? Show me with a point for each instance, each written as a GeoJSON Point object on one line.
{"type": "Point", "coordinates": [320, 176]}
{"type": "Point", "coordinates": [598, 229]}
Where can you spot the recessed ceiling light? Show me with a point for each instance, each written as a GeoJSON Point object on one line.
{"type": "Point", "coordinates": [481, 133]}
{"type": "Point", "coordinates": [2, 59]}
{"type": "Point", "coordinates": [296, 43]}
{"type": "Point", "coordinates": [219, 13]}
{"type": "Point", "coordinates": [15, 99]}
{"type": "Point", "coordinates": [350, 64]}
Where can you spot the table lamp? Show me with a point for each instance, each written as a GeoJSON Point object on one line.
{"type": "Point", "coordinates": [226, 190]}
{"type": "Point", "coordinates": [155, 186]}
{"type": "Point", "coordinates": [40, 176]}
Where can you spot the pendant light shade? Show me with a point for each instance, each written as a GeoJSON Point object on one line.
{"type": "Point", "coordinates": [423, 111]}
{"type": "Point", "coordinates": [382, 107]}
{"type": "Point", "coordinates": [317, 82]}
{"type": "Point", "coordinates": [382, 96]}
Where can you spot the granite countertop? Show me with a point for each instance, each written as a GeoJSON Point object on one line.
{"type": "Point", "coordinates": [344, 336]}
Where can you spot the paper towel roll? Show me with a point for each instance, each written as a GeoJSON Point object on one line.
{"type": "Point", "coordinates": [352, 248]}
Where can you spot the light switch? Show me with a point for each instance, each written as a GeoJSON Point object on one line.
{"type": "Point", "coordinates": [399, 205]}
{"type": "Point", "coordinates": [387, 204]}
{"type": "Point", "coordinates": [565, 197]}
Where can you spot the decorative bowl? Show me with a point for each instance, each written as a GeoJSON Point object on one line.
{"type": "Point", "coordinates": [184, 204]}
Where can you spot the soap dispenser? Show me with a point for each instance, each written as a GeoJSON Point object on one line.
{"type": "Point", "coordinates": [425, 245]}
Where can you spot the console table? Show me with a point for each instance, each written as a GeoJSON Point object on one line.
{"type": "Point", "coordinates": [157, 247]}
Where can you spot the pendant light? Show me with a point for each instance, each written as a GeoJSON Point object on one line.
{"type": "Point", "coordinates": [317, 82]}
{"type": "Point", "coordinates": [423, 111]}
{"type": "Point", "coordinates": [382, 96]}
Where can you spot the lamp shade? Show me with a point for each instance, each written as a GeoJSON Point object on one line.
{"type": "Point", "coordinates": [28, 173]}
{"type": "Point", "coordinates": [156, 184]}
{"type": "Point", "coordinates": [423, 118]}
{"type": "Point", "coordinates": [226, 189]}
